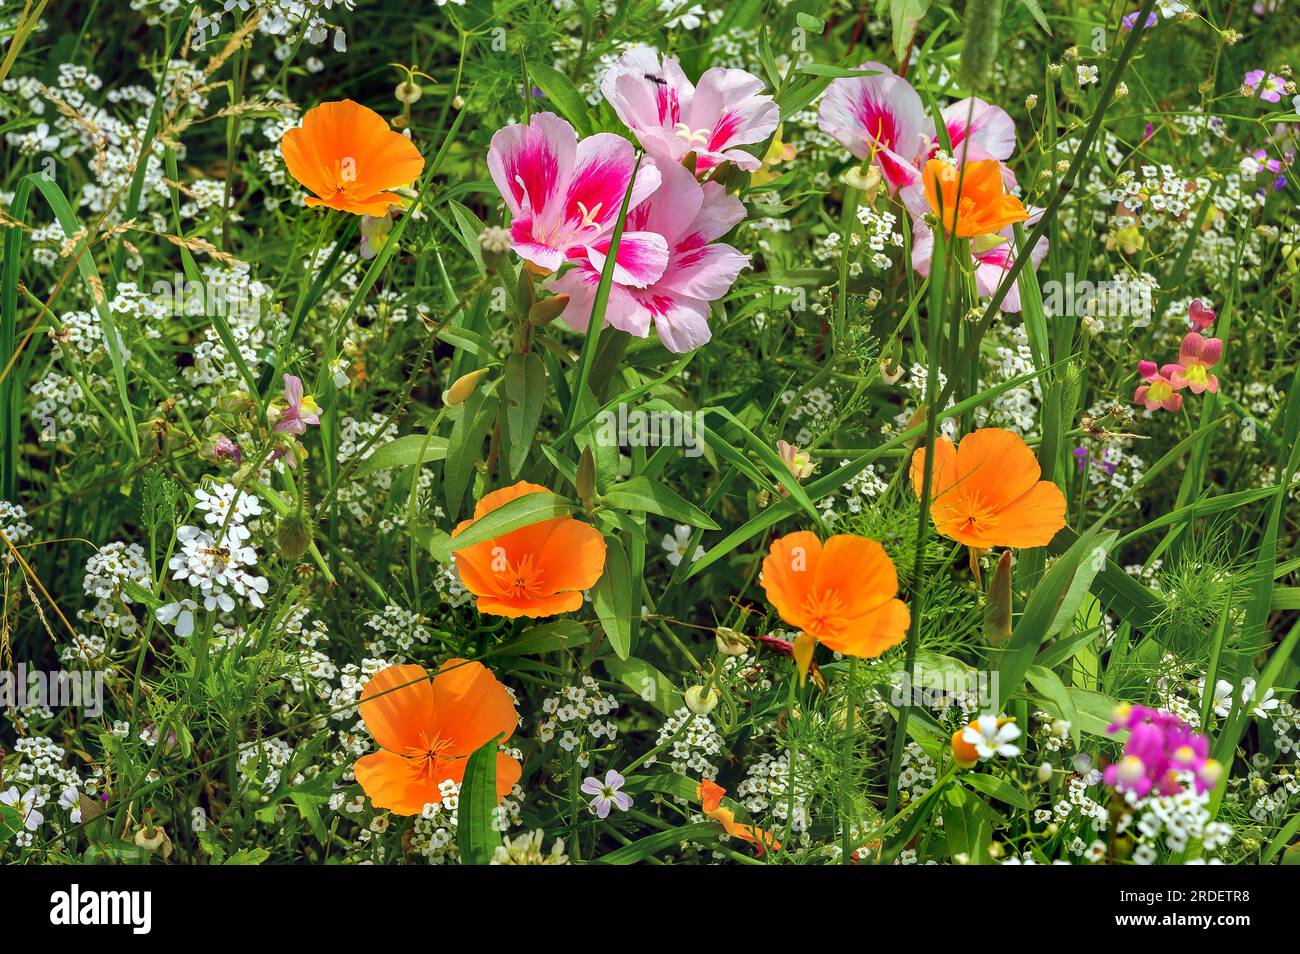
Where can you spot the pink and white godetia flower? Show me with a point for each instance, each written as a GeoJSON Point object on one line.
{"type": "Point", "coordinates": [689, 216]}
{"type": "Point", "coordinates": [673, 119]}
{"type": "Point", "coordinates": [879, 117]}
{"type": "Point", "coordinates": [564, 196]}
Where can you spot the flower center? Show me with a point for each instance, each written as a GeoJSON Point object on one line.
{"type": "Point", "coordinates": [825, 612]}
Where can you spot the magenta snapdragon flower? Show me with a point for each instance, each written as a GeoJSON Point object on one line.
{"type": "Point", "coordinates": [1162, 755]}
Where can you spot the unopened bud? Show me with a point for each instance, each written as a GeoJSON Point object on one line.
{"type": "Point", "coordinates": [701, 702]}
{"type": "Point", "coordinates": [1045, 772]}
{"type": "Point", "coordinates": [548, 309]}
{"type": "Point", "coordinates": [732, 643]}
{"type": "Point", "coordinates": [293, 535]}
{"type": "Point", "coordinates": [997, 611]}
{"type": "Point", "coordinates": [462, 388]}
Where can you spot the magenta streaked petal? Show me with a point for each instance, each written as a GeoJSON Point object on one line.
{"type": "Point", "coordinates": [868, 114]}
{"type": "Point", "coordinates": [531, 164]}
{"type": "Point", "coordinates": [979, 130]}
{"type": "Point", "coordinates": [642, 258]}
{"type": "Point", "coordinates": [682, 323]}
{"type": "Point", "coordinates": [706, 273]}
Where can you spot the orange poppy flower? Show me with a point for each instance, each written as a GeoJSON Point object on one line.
{"type": "Point", "coordinates": [710, 796]}
{"type": "Point", "coordinates": [842, 594]}
{"type": "Point", "coordinates": [348, 155]}
{"type": "Point", "coordinates": [427, 730]}
{"type": "Point", "coordinates": [982, 207]}
{"type": "Point", "coordinates": [538, 570]}
{"type": "Point", "coordinates": [986, 492]}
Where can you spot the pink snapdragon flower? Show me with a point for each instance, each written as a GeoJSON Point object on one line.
{"type": "Point", "coordinates": [1196, 357]}
{"type": "Point", "coordinates": [992, 256]}
{"type": "Point", "coordinates": [1161, 755]}
{"type": "Point", "coordinates": [1159, 390]}
{"type": "Point", "coordinates": [302, 409]}
{"type": "Point", "coordinates": [672, 118]}
{"type": "Point", "coordinates": [1200, 316]}
{"type": "Point", "coordinates": [689, 216]}
{"type": "Point", "coordinates": [564, 196]}
{"type": "Point", "coordinates": [880, 117]}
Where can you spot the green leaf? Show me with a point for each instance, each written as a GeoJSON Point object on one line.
{"type": "Point", "coordinates": [1050, 685]}
{"type": "Point", "coordinates": [651, 845]}
{"type": "Point", "coordinates": [465, 447]}
{"type": "Point", "coordinates": [906, 16]}
{"type": "Point", "coordinates": [997, 787]}
{"type": "Point", "coordinates": [612, 596]}
{"type": "Point", "coordinates": [521, 512]}
{"type": "Point", "coordinates": [647, 682]}
{"type": "Point", "coordinates": [476, 835]}
{"type": "Point", "coordinates": [402, 452]}
{"type": "Point", "coordinates": [559, 89]}
{"type": "Point", "coordinates": [545, 638]}
{"type": "Point", "coordinates": [525, 396]}
{"type": "Point", "coordinates": [649, 496]}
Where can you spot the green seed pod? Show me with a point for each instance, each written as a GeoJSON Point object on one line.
{"type": "Point", "coordinates": [983, 20]}
{"type": "Point", "coordinates": [293, 535]}
{"type": "Point", "coordinates": [997, 610]}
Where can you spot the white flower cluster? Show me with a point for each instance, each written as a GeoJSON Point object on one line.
{"type": "Point", "coordinates": [216, 562]}
{"type": "Point", "coordinates": [692, 749]}
{"type": "Point", "coordinates": [397, 629]}
{"type": "Point", "coordinates": [766, 789]}
{"type": "Point", "coordinates": [879, 234]}
{"type": "Point", "coordinates": [1174, 821]}
{"type": "Point", "coordinates": [577, 713]}
{"type": "Point", "coordinates": [14, 525]}
{"type": "Point", "coordinates": [106, 571]}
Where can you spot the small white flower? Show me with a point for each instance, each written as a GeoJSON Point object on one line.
{"type": "Point", "coordinates": [181, 613]}
{"type": "Point", "coordinates": [990, 739]}
{"type": "Point", "coordinates": [678, 542]}
{"type": "Point", "coordinates": [25, 805]}
{"type": "Point", "coordinates": [1087, 75]}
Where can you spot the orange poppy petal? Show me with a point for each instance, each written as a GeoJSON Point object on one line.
{"type": "Point", "coordinates": [995, 465]}
{"type": "Point", "coordinates": [498, 498]}
{"type": "Point", "coordinates": [533, 607]}
{"type": "Point", "coordinates": [573, 556]}
{"type": "Point", "coordinates": [869, 635]}
{"type": "Point", "coordinates": [788, 571]}
{"type": "Point", "coordinates": [397, 718]}
{"type": "Point", "coordinates": [858, 570]}
{"type": "Point", "coordinates": [1034, 519]}
{"type": "Point", "coordinates": [944, 474]}
{"type": "Point", "coordinates": [395, 783]}
{"type": "Point", "coordinates": [376, 205]}
{"type": "Point", "coordinates": [304, 163]}
{"type": "Point", "coordinates": [509, 771]}
{"type": "Point", "coordinates": [471, 707]}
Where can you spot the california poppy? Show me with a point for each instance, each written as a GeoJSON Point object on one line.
{"type": "Point", "coordinates": [428, 728]}
{"type": "Point", "coordinates": [972, 197]}
{"type": "Point", "coordinates": [710, 796]}
{"type": "Point", "coordinates": [537, 570]}
{"type": "Point", "coordinates": [986, 492]}
{"type": "Point", "coordinates": [842, 594]}
{"type": "Point", "coordinates": [348, 155]}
